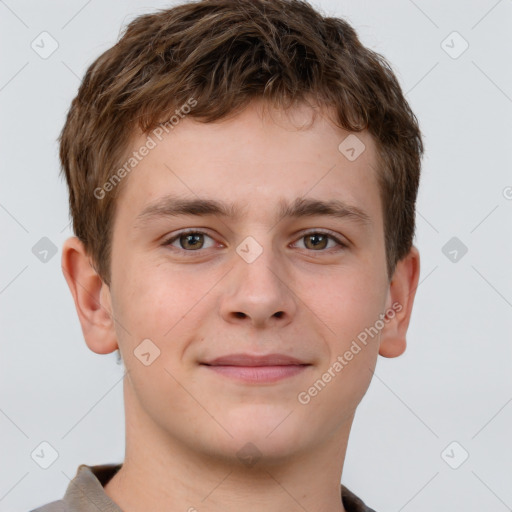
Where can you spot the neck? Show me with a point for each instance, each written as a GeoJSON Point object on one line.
{"type": "Point", "coordinates": [161, 473]}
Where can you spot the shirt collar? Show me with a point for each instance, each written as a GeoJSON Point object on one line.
{"type": "Point", "coordinates": [85, 492]}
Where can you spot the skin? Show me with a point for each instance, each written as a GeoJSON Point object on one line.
{"type": "Point", "coordinates": [186, 423]}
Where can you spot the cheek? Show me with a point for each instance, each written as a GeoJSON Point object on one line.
{"type": "Point", "coordinates": [166, 308]}
{"type": "Point", "coordinates": [155, 301]}
{"type": "Point", "coordinates": [152, 333]}
{"type": "Point", "coordinates": [337, 387]}
{"type": "Point", "coordinates": [351, 308]}
{"type": "Point", "coordinates": [349, 303]}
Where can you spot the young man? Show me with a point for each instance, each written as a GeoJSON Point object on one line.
{"type": "Point", "coordinates": [242, 178]}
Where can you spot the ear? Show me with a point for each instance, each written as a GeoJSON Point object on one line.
{"type": "Point", "coordinates": [92, 297]}
{"type": "Point", "coordinates": [402, 291]}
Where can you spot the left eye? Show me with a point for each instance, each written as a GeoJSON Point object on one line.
{"type": "Point", "coordinates": [319, 240]}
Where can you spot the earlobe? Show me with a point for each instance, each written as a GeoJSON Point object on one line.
{"type": "Point", "coordinates": [402, 291]}
{"type": "Point", "coordinates": [91, 297]}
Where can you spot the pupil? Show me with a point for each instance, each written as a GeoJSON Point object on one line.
{"type": "Point", "coordinates": [316, 236]}
{"type": "Point", "coordinates": [192, 236]}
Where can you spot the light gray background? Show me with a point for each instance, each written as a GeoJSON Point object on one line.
{"type": "Point", "coordinates": [454, 381]}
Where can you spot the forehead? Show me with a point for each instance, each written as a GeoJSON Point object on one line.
{"type": "Point", "coordinates": [257, 161]}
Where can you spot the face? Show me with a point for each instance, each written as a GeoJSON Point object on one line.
{"type": "Point", "coordinates": [264, 268]}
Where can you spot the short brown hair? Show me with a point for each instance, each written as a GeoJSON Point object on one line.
{"type": "Point", "coordinates": [224, 53]}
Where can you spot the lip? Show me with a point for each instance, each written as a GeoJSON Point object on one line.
{"type": "Point", "coordinates": [257, 369]}
{"type": "Point", "coordinates": [255, 360]}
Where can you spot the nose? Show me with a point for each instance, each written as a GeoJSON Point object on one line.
{"type": "Point", "coordinates": [259, 293]}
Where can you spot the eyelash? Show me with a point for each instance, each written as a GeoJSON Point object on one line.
{"type": "Point", "coordinates": [175, 237]}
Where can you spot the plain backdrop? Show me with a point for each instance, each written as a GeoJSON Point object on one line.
{"type": "Point", "coordinates": [434, 429]}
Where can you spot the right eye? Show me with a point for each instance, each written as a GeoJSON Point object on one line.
{"type": "Point", "coordinates": [190, 240]}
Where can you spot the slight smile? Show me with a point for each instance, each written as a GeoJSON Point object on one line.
{"type": "Point", "coordinates": [257, 369]}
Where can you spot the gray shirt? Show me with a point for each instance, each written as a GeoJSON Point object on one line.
{"type": "Point", "coordinates": [85, 493]}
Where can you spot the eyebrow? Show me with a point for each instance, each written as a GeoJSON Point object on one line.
{"type": "Point", "coordinates": [174, 206]}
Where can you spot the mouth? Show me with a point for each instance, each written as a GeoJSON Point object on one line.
{"type": "Point", "coordinates": [257, 369]}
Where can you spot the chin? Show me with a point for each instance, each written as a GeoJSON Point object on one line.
{"type": "Point", "coordinates": [267, 434]}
